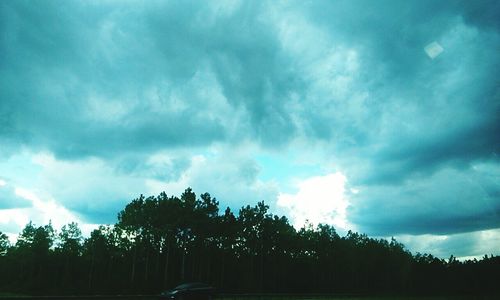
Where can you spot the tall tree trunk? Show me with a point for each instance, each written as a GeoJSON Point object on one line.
{"type": "Point", "coordinates": [223, 269]}
{"type": "Point", "coordinates": [193, 266]}
{"type": "Point", "coordinates": [91, 272]}
{"type": "Point", "coordinates": [165, 271]}
{"type": "Point", "coordinates": [200, 265]}
{"type": "Point", "coordinates": [183, 268]}
{"type": "Point", "coordinates": [132, 275]}
{"type": "Point", "coordinates": [67, 272]}
{"type": "Point", "coordinates": [110, 272]}
{"type": "Point", "coordinates": [157, 265]}
{"type": "Point", "coordinates": [208, 266]}
{"type": "Point", "coordinates": [146, 271]}
{"type": "Point", "coordinates": [261, 267]}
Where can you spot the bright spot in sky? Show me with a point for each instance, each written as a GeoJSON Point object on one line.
{"type": "Point", "coordinates": [319, 199]}
{"type": "Point", "coordinates": [433, 50]}
{"type": "Point", "coordinates": [41, 212]}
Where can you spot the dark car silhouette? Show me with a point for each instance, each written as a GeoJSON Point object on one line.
{"type": "Point", "coordinates": [190, 291]}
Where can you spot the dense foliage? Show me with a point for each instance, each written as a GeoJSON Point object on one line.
{"type": "Point", "coordinates": [161, 241]}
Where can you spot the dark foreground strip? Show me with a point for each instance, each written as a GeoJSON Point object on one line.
{"type": "Point", "coordinates": [156, 297]}
{"type": "Point", "coordinates": [136, 297]}
{"type": "Point", "coordinates": [253, 297]}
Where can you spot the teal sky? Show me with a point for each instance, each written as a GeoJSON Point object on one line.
{"type": "Point", "coordinates": [376, 116]}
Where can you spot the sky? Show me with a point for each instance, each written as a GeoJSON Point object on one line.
{"type": "Point", "coordinates": [381, 117]}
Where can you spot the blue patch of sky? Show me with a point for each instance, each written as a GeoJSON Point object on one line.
{"type": "Point", "coordinates": [19, 169]}
{"type": "Point", "coordinates": [284, 168]}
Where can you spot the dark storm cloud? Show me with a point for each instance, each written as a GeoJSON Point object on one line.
{"type": "Point", "coordinates": [122, 81]}
{"type": "Point", "coordinates": [422, 118]}
{"type": "Point", "coordinates": [423, 112]}
{"type": "Point", "coordinates": [434, 222]}
{"type": "Point", "coordinates": [54, 61]}
{"type": "Point", "coordinates": [433, 117]}
{"type": "Point", "coordinates": [483, 14]}
{"type": "Point", "coordinates": [449, 201]}
{"type": "Point", "coordinates": [243, 52]}
{"type": "Point", "coordinates": [57, 59]}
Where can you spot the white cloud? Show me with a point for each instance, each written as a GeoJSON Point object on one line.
{"type": "Point", "coordinates": [41, 212]}
{"type": "Point", "coordinates": [228, 173]}
{"type": "Point", "coordinates": [90, 186]}
{"type": "Point", "coordinates": [12, 220]}
{"type": "Point", "coordinates": [45, 211]}
{"type": "Point", "coordinates": [92, 189]}
{"type": "Point", "coordinates": [319, 199]}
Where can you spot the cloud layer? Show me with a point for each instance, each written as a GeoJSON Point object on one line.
{"type": "Point", "coordinates": [102, 101]}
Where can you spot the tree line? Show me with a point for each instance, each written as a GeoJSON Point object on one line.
{"type": "Point", "coordinates": [161, 241]}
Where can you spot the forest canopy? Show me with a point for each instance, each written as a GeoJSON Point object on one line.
{"type": "Point", "coordinates": [161, 241]}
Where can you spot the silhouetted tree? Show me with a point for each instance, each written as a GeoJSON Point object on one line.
{"type": "Point", "coordinates": [69, 251]}
{"type": "Point", "coordinates": [161, 241]}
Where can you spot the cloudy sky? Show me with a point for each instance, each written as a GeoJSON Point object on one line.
{"type": "Point", "coordinates": [376, 116]}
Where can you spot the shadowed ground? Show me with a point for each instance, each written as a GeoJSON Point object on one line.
{"type": "Point", "coordinates": [250, 297]}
